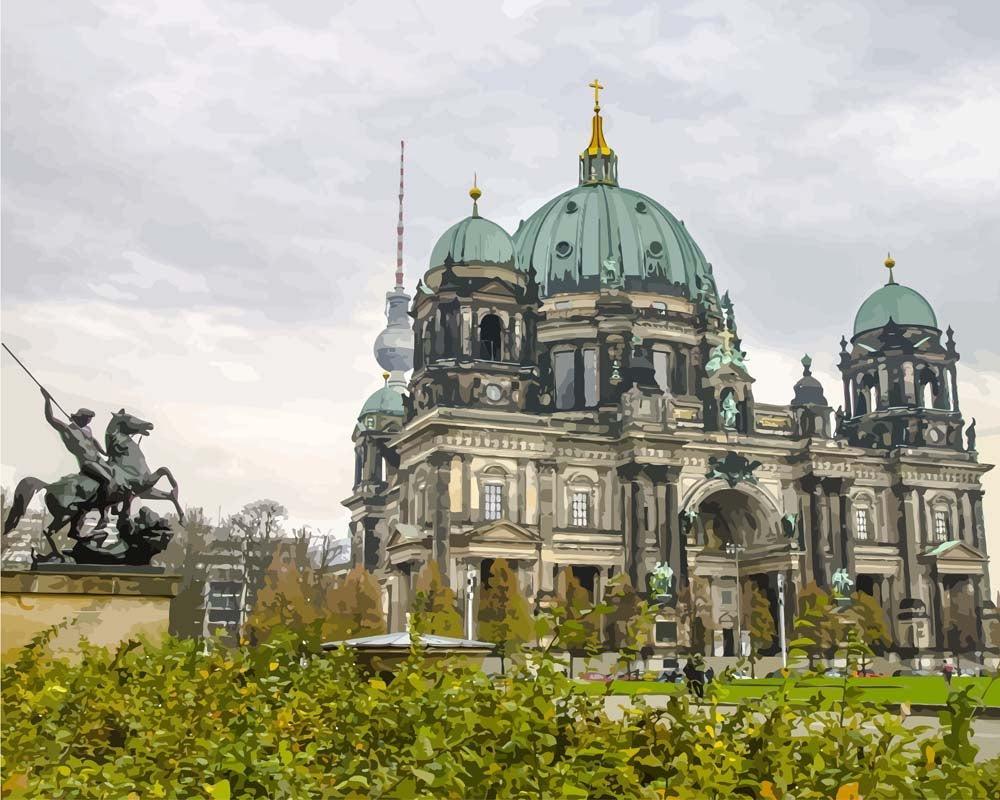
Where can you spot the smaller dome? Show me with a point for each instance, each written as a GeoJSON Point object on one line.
{"type": "Point", "coordinates": [897, 302]}
{"type": "Point", "coordinates": [474, 240]}
{"type": "Point", "coordinates": [386, 401]}
{"type": "Point", "coordinates": [808, 390]}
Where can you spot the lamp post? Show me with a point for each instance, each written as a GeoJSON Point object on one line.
{"type": "Point", "coordinates": [734, 550]}
{"type": "Point", "coordinates": [470, 599]}
{"type": "Point", "coordinates": [781, 619]}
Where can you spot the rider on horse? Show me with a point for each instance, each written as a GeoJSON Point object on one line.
{"type": "Point", "coordinates": [87, 451]}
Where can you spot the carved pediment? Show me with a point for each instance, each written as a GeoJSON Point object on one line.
{"type": "Point", "coordinates": [404, 533]}
{"type": "Point", "coordinates": [955, 557]}
{"type": "Point", "coordinates": [499, 532]}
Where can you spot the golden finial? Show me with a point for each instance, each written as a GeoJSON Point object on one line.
{"type": "Point", "coordinates": [475, 193]}
{"type": "Point", "coordinates": [385, 378]}
{"type": "Point", "coordinates": [890, 262]}
{"type": "Point", "coordinates": [596, 86]}
{"type": "Point", "coordinates": [598, 145]}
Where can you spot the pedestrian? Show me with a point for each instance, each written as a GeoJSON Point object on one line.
{"type": "Point", "coordinates": [948, 671]}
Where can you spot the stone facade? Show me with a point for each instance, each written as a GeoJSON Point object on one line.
{"type": "Point", "coordinates": [612, 425]}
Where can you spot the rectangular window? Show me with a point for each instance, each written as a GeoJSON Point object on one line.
{"type": "Point", "coordinates": [666, 631]}
{"type": "Point", "coordinates": [861, 523]}
{"type": "Point", "coordinates": [661, 367]}
{"type": "Point", "coordinates": [563, 369]}
{"type": "Point", "coordinates": [942, 530]}
{"type": "Point", "coordinates": [727, 597]}
{"type": "Point", "coordinates": [492, 501]}
{"type": "Point", "coordinates": [680, 384]}
{"type": "Point", "coordinates": [590, 378]}
{"type": "Point", "coordinates": [581, 509]}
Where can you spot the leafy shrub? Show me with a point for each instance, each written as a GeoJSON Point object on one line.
{"type": "Point", "coordinates": [275, 721]}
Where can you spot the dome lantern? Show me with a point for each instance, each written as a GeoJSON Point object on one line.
{"type": "Point", "coordinates": [598, 163]}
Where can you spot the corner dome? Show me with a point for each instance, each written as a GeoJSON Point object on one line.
{"type": "Point", "coordinates": [474, 240]}
{"type": "Point", "coordinates": [901, 304]}
{"type": "Point", "coordinates": [387, 401]}
{"type": "Point", "coordinates": [569, 238]}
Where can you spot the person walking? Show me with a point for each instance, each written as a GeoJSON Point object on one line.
{"type": "Point", "coordinates": [948, 671]}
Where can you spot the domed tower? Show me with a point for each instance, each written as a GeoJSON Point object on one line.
{"type": "Point", "coordinates": [474, 321]}
{"type": "Point", "coordinates": [809, 406]}
{"type": "Point", "coordinates": [375, 464]}
{"type": "Point", "coordinates": [900, 381]}
{"type": "Point", "coordinates": [394, 346]}
{"type": "Point", "coordinates": [623, 279]}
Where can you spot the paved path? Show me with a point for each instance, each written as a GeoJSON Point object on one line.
{"type": "Point", "coordinates": [986, 731]}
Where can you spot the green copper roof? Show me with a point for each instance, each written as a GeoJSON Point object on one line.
{"type": "Point", "coordinates": [385, 401]}
{"type": "Point", "coordinates": [569, 238]}
{"type": "Point", "coordinates": [900, 303]}
{"type": "Point", "coordinates": [474, 240]}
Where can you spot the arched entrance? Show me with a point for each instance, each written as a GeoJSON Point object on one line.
{"type": "Point", "coordinates": [736, 549]}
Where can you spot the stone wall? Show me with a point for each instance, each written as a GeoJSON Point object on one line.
{"type": "Point", "coordinates": [105, 607]}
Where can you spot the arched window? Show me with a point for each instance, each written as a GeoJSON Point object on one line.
{"type": "Point", "coordinates": [490, 337]}
{"type": "Point", "coordinates": [928, 388]}
{"type": "Point", "coordinates": [493, 484]}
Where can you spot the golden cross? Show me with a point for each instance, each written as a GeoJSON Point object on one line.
{"type": "Point", "coordinates": [727, 340]}
{"type": "Point", "coordinates": [596, 86]}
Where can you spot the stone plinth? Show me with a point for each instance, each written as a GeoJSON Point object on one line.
{"type": "Point", "coordinates": [104, 605]}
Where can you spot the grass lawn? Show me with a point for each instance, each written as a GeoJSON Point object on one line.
{"type": "Point", "coordinates": [928, 690]}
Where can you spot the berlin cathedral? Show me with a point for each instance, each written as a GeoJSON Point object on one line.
{"type": "Point", "coordinates": [577, 394]}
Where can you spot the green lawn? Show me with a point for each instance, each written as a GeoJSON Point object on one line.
{"type": "Point", "coordinates": [929, 690]}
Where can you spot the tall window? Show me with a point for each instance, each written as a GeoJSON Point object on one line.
{"type": "Point", "coordinates": [861, 523]}
{"type": "Point", "coordinates": [661, 368]}
{"type": "Point", "coordinates": [581, 509]}
{"type": "Point", "coordinates": [590, 378]}
{"type": "Point", "coordinates": [490, 333]}
{"type": "Point", "coordinates": [492, 500]}
{"type": "Point", "coordinates": [562, 366]}
{"type": "Point", "coordinates": [942, 526]}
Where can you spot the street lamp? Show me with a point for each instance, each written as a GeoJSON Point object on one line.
{"type": "Point", "coordinates": [734, 550]}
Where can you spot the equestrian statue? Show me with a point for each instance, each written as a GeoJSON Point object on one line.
{"type": "Point", "coordinates": [109, 478]}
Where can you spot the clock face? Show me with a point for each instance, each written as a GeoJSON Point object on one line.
{"type": "Point", "coordinates": [934, 434]}
{"type": "Point", "coordinates": [494, 392]}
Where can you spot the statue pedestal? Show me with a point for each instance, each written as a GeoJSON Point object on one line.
{"type": "Point", "coordinates": [104, 604]}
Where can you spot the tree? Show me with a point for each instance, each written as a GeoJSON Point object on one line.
{"type": "Point", "coordinates": [873, 627]}
{"type": "Point", "coordinates": [316, 607]}
{"type": "Point", "coordinates": [185, 555]}
{"type": "Point", "coordinates": [434, 604]}
{"type": "Point", "coordinates": [286, 599]}
{"type": "Point", "coordinates": [763, 631]}
{"type": "Point", "coordinates": [504, 618]}
{"type": "Point", "coordinates": [820, 627]}
{"type": "Point", "coordinates": [258, 527]}
{"type": "Point", "coordinates": [580, 620]}
{"type": "Point", "coordinates": [353, 607]}
{"type": "Point", "coordinates": [693, 606]}
{"type": "Point", "coordinates": [624, 605]}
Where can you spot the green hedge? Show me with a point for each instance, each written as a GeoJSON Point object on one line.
{"type": "Point", "coordinates": [170, 721]}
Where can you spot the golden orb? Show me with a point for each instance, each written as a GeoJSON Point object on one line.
{"type": "Point", "coordinates": [890, 262]}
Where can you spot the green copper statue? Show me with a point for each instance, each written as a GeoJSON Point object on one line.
{"type": "Point", "coordinates": [730, 411]}
{"type": "Point", "coordinates": [99, 485]}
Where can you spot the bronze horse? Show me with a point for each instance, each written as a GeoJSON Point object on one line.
{"type": "Point", "coordinates": [70, 498]}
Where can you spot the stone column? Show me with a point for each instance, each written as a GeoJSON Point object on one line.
{"type": "Point", "coordinates": [518, 514]}
{"type": "Point", "coordinates": [441, 525]}
{"type": "Point", "coordinates": [546, 521]}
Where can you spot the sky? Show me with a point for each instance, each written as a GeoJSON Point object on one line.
{"type": "Point", "coordinates": [199, 198]}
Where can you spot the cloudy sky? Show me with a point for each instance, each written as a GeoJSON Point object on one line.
{"type": "Point", "coordinates": [199, 198]}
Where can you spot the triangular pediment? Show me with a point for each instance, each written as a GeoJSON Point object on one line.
{"type": "Point", "coordinates": [404, 533]}
{"type": "Point", "coordinates": [501, 530]}
{"type": "Point", "coordinates": [954, 551]}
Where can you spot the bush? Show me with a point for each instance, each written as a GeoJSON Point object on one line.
{"type": "Point", "coordinates": [273, 721]}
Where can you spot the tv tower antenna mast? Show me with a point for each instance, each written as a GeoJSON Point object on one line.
{"type": "Point", "coordinates": [399, 224]}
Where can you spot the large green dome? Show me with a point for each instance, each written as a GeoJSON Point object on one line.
{"type": "Point", "coordinates": [474, 240]}
{"type": "Point", "coordinates": [899, 303]}
{"type": "Point", "coordinates": [569, 238]}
